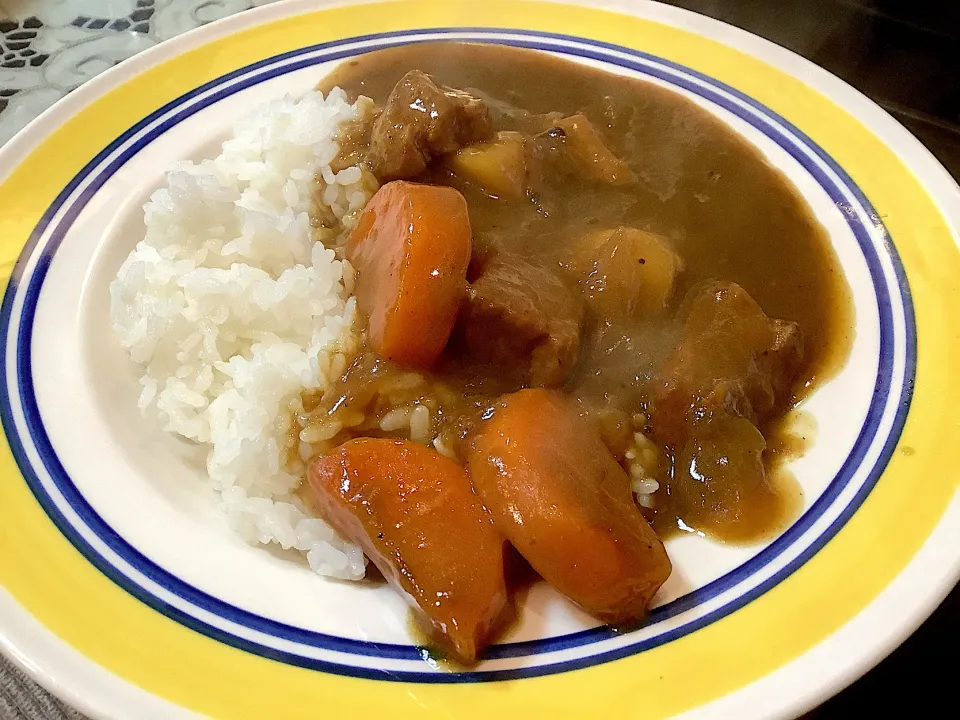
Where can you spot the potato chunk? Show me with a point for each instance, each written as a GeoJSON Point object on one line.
{"type": "Point", "coordinates": [626, 272]}
{"type": "Point", "coordinates": [591, 155]}
{"type": "Point", "coordinates": [505, 166]}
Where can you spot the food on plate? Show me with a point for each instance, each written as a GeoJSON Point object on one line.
{"type": "Point", "coordinates": [580, 146]}
{"type": "Point", "coordinates": [414, 513]}
{"type": "Point", "coordinates": [422, 120]}
{"type": "Point", "coordinates": [625, 272]}
{"type": "Point", "coordinates": [524, 316]}
{"type": "Point", "coordinates": [561, 498]}
{"type": "Point", "coordinates": [464, 302]}
{"type": "Point", "coordinates": [235, 302]}
{"type": "Point", "coordinates": [506, 165]}
{"type": "Point", "coordinates": [411, 248]}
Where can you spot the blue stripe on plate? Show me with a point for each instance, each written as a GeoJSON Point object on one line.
{"type": "Point", "coordinates": [764, 120]}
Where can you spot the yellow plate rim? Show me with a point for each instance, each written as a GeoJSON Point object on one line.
{"type": "Point", "coordinates": [933, 245]}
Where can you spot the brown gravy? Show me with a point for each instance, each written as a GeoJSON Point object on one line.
{"type": "Point", "coordinates": [728, 213]}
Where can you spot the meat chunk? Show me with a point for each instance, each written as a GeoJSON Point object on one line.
{"type": "Point", "coordinates": [732, 358]}
{"type": "Point", "coordinates": [564, 503]}
{"type": "Point", "coordinates": [420, 121]}
{"type": "Point", "coordinates": [783, 359]}
{"type": "Point", "coordinates": [523, 315]}
{"type": "Point", "coordinates": [733, 370]}
{"type": "Point", "coordinates": [415, 515]}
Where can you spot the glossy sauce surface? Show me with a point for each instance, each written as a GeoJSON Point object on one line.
{"type": "Point", "coordinates": [723, 209]}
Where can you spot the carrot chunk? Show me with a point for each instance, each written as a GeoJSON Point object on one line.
{"type": "Point", "coordinates": [415, 515]}
{"type": "Point", "coordinates": [565, 504]}
{"type": "Point", "coordinates": [411, 247]}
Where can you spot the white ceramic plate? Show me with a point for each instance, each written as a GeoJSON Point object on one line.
{"type": "Point", "coordinates": [126, 593]}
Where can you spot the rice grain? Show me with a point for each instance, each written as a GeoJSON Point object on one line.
{"type": "Point", "coordinates": [233, 305]}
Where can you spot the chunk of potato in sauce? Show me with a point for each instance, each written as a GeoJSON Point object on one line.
{"type": "Point", "coordinates": [506, 166]}
{"type": "Point", "coordinates": [638, 172]}
{"type": "Point", "coordinates": [625, 272]}
{"type": "Point", "coordinates": [587, 152]}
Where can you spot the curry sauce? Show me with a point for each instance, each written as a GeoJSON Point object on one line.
{"type": "Point", "coordinates": [722, 209]}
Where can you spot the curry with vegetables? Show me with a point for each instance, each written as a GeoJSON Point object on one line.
{"type": "Point", "coordinates": [589, 305]}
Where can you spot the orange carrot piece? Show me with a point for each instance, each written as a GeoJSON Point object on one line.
{"type": "Point", "coordinates": [565, 504]}
{"type": "Point", "coordinates": [411, 247]}
{"type": "Point", "coordinates": [415, 515]}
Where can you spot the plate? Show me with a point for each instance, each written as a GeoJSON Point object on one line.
{"type": "Point", "coordinates": [123, 591]}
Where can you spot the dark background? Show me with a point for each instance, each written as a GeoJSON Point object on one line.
{"type": "Point", "coordinates": [906, 57]}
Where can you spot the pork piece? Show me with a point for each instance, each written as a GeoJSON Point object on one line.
{"type": "Point", "coordinates": [420, 121]}
{"type": "Point", "coordinates": [415, 515]}
{"type": "Point", "coordinates": [520, 315]}
{"type": "Point", "coordinates": [565, 504]}
{"type": "Point", "coordinates": [732, 359]}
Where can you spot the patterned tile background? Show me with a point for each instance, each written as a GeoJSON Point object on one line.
{"type": "Point", "coordinates": [49, 47]}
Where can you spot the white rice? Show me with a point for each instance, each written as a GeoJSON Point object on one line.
{"type": "Point", "coordinates": [233, 307]}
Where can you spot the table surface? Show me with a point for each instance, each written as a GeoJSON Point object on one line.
{"type": "Point", "coordinates": [904, 55]}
